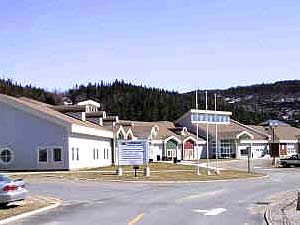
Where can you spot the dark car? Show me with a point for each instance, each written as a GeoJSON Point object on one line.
{"type": "Point", "coordinates": [291, 161]}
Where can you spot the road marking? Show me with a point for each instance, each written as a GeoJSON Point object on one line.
{"type": "Point", "coordinates": [211, 212]}
{"type": "Point", "coordinates": [136, 219]}
{"type": "Point", "coordinates": [200, 195]}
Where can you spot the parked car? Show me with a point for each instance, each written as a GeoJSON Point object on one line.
{"type": "Point", "coordinates": [11, 190]}
{"type": "Point", "coordinates": [291, 161]}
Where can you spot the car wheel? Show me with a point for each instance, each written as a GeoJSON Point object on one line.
{"type": "Point", "coordinates": [284, 165]}
{"type": "Point", "coordinates": [3, 205]}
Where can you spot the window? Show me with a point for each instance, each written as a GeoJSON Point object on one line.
{"type": "Point", "coordinates": [97, 151]}
{"type": "Point", "coordinates": [57, 154]}
{"type": "Point", "coordinates": [104, 153]}
{"type": "Point", "coordinates": [43, 155]}
{"type": "Point", "coordinates": [107, 153]}
{"type": "Point", "coordinates": [77, 155]}
{"type": "Point", "coordinates": [73, 154]}
{"type": "Point", "coordinates": [6, 156]}
{"type": "Point", "coordinates": [94, 154]}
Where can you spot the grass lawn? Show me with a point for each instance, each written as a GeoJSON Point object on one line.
{"type": "Point", "coordinates": [30, 204]}
{"type": "Point", "coordinates": [159, 172]}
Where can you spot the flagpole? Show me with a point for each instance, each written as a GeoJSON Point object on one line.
{"type": "Point", "coordinates": [217, 151]}
{"type": "Point", "coordinates": [207, 152]}
{"type": "Point", "coordinates": [197, 133]}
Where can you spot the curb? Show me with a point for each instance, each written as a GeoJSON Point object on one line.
{"type": "Point", "coordinates": [279, 210]}
{"type": "Point", "coordinates": [267, 216]}
{"type": "Point", "coordinates": [186, 182]}
{"type": "Point", "coordinates": [31, 213]}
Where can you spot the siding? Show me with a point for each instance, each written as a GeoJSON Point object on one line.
{"type": "Point", "coordinates": [86, 146]}
{"type": "Point", "coordinates": [24, 133]}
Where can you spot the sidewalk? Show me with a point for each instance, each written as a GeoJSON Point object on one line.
{"type": "Point", "coordinates": [203, 165]}
{"type": "Point", "coordinates": [282, 209]}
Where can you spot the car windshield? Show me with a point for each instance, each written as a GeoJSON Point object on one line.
{"type": "Point", "coordinates": [4, 178]}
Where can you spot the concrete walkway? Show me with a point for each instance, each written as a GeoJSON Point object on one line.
{"type": "Point", "coordinates": [282, 209]}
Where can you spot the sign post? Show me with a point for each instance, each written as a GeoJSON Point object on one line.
{"type": "Point", "coordinates": [134, 153]}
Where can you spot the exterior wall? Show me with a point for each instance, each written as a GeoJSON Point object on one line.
{"type": "Point", "coordinates": [287, 149]}
{"type": "Point", "coordinates": [24, 133]}
{"type": "Point", "coordinates": [155, 152]}
{"type": "Point", "coordinates": [86, 147]}
{"type": "Point", "coordinates": [258, 150]}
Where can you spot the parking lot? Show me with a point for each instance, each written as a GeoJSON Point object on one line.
{"type": "Point", "coordinates": [116, 203]}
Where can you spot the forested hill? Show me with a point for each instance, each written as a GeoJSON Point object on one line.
{"type": "Point", "coordinates": [250, 104]}
{"type": "Point", "coordinates": [280, 99]}
{"type": "Point", "coordinates": [132, 102]}
{"type": "Point", "coordinates": [8, 87]}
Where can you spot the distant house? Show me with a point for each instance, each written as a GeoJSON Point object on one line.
{"type": "Point", "coordinates": [37, 136]}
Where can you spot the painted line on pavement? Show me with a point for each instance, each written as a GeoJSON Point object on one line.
{"type": "Point", "coordinates": [136, 219]}
{"type": "Point", "coordinates": [211, 212]}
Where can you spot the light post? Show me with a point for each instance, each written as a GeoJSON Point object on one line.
{"type": "Point", "coordinates": [274, 148]}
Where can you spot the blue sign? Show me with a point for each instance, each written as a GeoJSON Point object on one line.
{"type": "Point", "coordinates": [133, 152]}
{"type": "Point", "coordinates": [200, 117]}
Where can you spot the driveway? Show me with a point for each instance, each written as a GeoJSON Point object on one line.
{"type": "Point", "coordinates": [104, 203]}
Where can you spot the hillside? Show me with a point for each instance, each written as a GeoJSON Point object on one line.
{"type": "Point", "coordinates": [134, 102]}
{"type": "Point", "coordinates": [250, 104]}
{"type": "Point", "coordinates": [281, 100]}
{"type": "Point", "coordinates": [8, 87]}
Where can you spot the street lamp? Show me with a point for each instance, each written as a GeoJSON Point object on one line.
{"type": "Point", "coordinates": [274, 147]}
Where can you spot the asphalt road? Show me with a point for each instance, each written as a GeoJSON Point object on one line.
{"type": "Point", "coordinates": [99, 203]}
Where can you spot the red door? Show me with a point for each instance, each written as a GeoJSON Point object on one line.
{"type": "Point", "coordinates": [283, 149]}
{"type": "Point", "coordinates": [188, 152]}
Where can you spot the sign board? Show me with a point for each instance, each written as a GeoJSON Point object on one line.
{"type": "Point", "coordinates": [210, 117]}
{"type": "Point", "coordinates": [274, 149]}
{"type": "Point", "coordinates": [133, 152]}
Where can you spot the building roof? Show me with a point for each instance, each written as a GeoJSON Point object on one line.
{"type": "Point", "coordinates": [273, 122]}
{"type": "Point", "coordinates": [282, 132]}
{"type": "Point", "coordinates": [45, 110]}
{"type": "Point", "coordinates": [231, 131]}
{"type": "Point", "coordinates": [166, 129]}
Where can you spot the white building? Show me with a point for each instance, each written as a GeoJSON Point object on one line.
{"type": "Point", "coordinates": [35, 136]}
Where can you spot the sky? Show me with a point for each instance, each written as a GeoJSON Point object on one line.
{"type": "Point", "coordinates": [179, 45]}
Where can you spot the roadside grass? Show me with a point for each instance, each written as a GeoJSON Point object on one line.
{"type": "Point", "coordinates": [159, 172]}
{"type": "Point", "coordinates": [30, 204]}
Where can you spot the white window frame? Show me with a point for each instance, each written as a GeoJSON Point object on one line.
{"type": "Point", "coordinates": [12, 155]}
